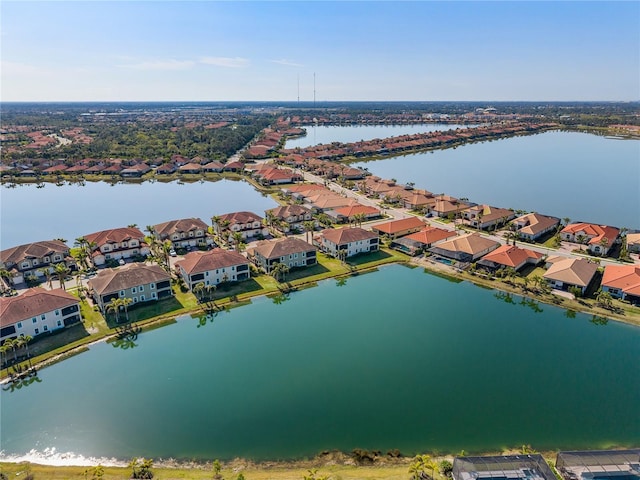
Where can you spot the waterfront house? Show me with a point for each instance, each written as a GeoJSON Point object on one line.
{"type": "Point", "coordinates": [290, 251]}
{"type": "Point", "coordinates": [350, 240]}
{"type": "Point", "coordinates": [622, 281]}
{"type": "Point", "coordinates": [418, 242]}
{"type": "Point", "coordinates": [564, 272]}
{"type": "Point", "coordinates": [287, 218]}
{"type": "Point", "coordinates": [213, 167]}
{"type": "Point", "coordinates": [235, 167]}
{"type": "Point", "coordinates": [532, 226]}
{"type": "Point", "coordinates": [185, 232]}
{"type": "Point", "coordinates": [510, 256]}
{"type": "Point", "coordinates": [447, 206]}
{"type": "Point", "coordinates": [166, 169]}
{"type": "Point", "coordinates": [190, 168]}
{"type": "Point", "coordinates": [465, 248]}
{"type": "Point", "coordinates": [135, 171]}
{"type": "Point", "coordinates": [26, 260]}
{"type": "Point", "coordinates": [531, 466]}
{"type": "Point", "coordinates": [633, 242]}
{"type": "Point", "coordinates": [37, 311]}
{"type": "Point", "coordinates": [302, 190]}
{"type": "Point", "coordinates": [599, 238]}
{"type": "Point", "coordinates": [399, 228]}
{"type": "Point", "coordinates": [136, 281]}
{"type": "Point", "coordinates": [486, 216]}
{"type": "Point", "coordinates": [117, 243]}
{"type": "Point", "coordinates": [599, 464]}
{"type": "Point", "coordinates": [248, 224]}
{"type": "Point", "coordinates": [213, 267]}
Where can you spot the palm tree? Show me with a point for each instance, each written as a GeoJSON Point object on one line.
{"type": "Point", "coordinates": [309, 227]}
{"type": "Point", "coordinates": [581, 239]}
{"type": "Point", "coordinates": [197, 290]}
{"type": "Point", "coordinates": [566, 221]}
{"type": "Point", "coordinates": [5, 276]}
{"type": "Point", "coordinates": [125, 302]}
{"type": "Point", "coordinates": [238, 241]}
{"type": "Point", "coordinates": [279, 270]}
{"type": "Point", "coordinates": [46, 271]}
{"type": "Point", "coordinates": [604, 243]}
{"type": "Point", "coordinates": [604, 299]}
{"type": "Point", "coordinates": [358, 218]}
{"type": "Point", "coordinates": [61, 271]}
{"type": "Point", "coordinates": [114, 307]}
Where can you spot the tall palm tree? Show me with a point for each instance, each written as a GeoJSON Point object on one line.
{"type": "Point", "coordinates": [114, 307]}
{"type": "Point", "coordinates": [581, 239]}
{"type": "Point", "coordinates": [279, 270]}
{"type": "Point", "coordinates": [238, 241]}
{"type": "Point", "coordinates": [309, 226]}
{"type": "Point", "coordinates": [358, 218]}
{"type": "Point", "coordinates": [5, 276]}
{"type": "Point", "coordinates": [46, 271]}
{"type": "Point", "coordinates": [125, 302]}
{"type": "Point", "coordinates": [198, 290]}
{"type": "Point", "coordinates": [61, 271]}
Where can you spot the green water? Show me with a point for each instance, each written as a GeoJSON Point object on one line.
{"type": "Point", "coordinates": [393, 359]}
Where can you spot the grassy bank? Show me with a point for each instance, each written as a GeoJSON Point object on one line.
{"type": "Point", "coordinates": [329, 465]}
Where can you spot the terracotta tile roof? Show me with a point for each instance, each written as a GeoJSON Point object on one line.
{"type": "Point", "coordinates": [285, 211]}
{"type": "Point", "coordinates": [350, 211]}
{"type": "Point", "coordinates": [327, 201]}
{"type": "Point", "coordinates": [347, 235]}
{"type": "Point", "coordinates": [280, 247]}
{"type": "Point", "coordinates": [535, 223]}
{"type": "Point", "coordinates": [489, 213]}
{"type": "Point", "coordinates": [431, 235]}
{"type": "Point", "coordinates": [305, 187]}
{"type": "Point", "coordinates": [574, 271]}
{"type": "Point", "coordinates": [401, 225]}
{"type": "Point", "coordinates": [471, 243]}
{"type": "Point", "coordinates": [240, 217]}
{"type": "Point", "coordinates": [190, 167]}
{"type": "Point", "coordinates": [115, 235]}
{"type": "Point", "coordinates": [511, 256]}
{"type": "Point", "coordinates": [34, 302]}
{"type": "Point", "coordinates": [633, 238]}
{"type": "Point", "coordinates": [178, 226]}
{"type": "Point", "coordinates": [200, 262]}
{"type": "Point", "coordinates": [622, 277]}
{"type": "Point", "coordinates": [42, 249]}
{"type": "Point", "coordinates": [595, 232]}
{"type": "Point", "coordinates": [113, 280]}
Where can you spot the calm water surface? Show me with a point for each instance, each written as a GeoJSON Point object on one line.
{"type": "Point", "coordinates": [566, 174]}
{"type": "Point", "coordinates": [30, 214]}
{"type": "Point", "coordinates": [396, 359]}
{"type": "Point", "coordinates": [354, 133]}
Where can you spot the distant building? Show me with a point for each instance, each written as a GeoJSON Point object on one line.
{"type": "Point", "coordinates": [213, 267]}
{"type": "Point", "coordinates": [290, 251]}
{"type": "Point", "coordinates": [184, 232]}
{"type": "Point", "coordinates": [350, 240]}
{"type": "Point", "coordinates": [599, 465]}
{"type": "Point", "coordinates": [502, 467]}
{"type": "Point", "coordinates": [28, 259]}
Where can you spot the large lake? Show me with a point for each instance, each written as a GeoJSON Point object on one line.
{"type": "Point", "coordinates": [394, 359]}
{"type": "Point", "coordinates": [584, 177]}
{"type": "Point", "coordinates": [30, 214]}
{"type": "Point", "coordinates": [317, 134]}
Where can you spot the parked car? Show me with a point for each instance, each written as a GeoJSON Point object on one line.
{"type": "Point", "coordinates": [172, 252]}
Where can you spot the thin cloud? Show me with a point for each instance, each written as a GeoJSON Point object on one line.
{"type": "Point", "coordinates": [170, 64]}
{"type": "Point", "coordinates": [287, 63]}
{"type": "Point", "coordinates": [226, 62]}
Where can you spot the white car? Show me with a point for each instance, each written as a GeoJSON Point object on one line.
{"type": "Point", "coordinates": [172, 252]}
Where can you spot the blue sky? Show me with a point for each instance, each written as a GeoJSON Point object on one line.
{"type": "Point", "coordinates": [364, 50]}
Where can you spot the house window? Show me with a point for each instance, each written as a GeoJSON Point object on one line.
{"type": "Point", "coordinates": [42, 317]}
{"type": "Point", "coordinates": [35, 262]}
{"type": "Point", "coordinates": [153, 294]}
{"type": "Point", "coordinates": [135, 299]}
{"type": "Point", "coordinates": [19, 325]}
{"type": "Point", "coordinates": [34, 320]}
{"type": "Point", "coordinates": [36, 331]}
{"type": "Point", "coordinates": [141, 288]}
{"type": "Point", "coordinates": [25, 265]}
{"type": "Point", "coordinates": [142, 298]}
{"type": "Point", "coordinates": [57, 312]}
{"type": "Point", "coordinates": [59, 323]}
{"type": "Point", "coordinates": [46, 259]}
{"type": "Point", "coordinates": [57, 258]}
{"type": "Point", "coordinates": [133, 289]}
{"type": "Point", "coordinates": [121, 293]}
{"type": "Point", "coordinates": [206, 274]}
{"type": "Point", "coordinates": [45, 328]}
{"type": "Point", "coordinates": [153, 285]}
